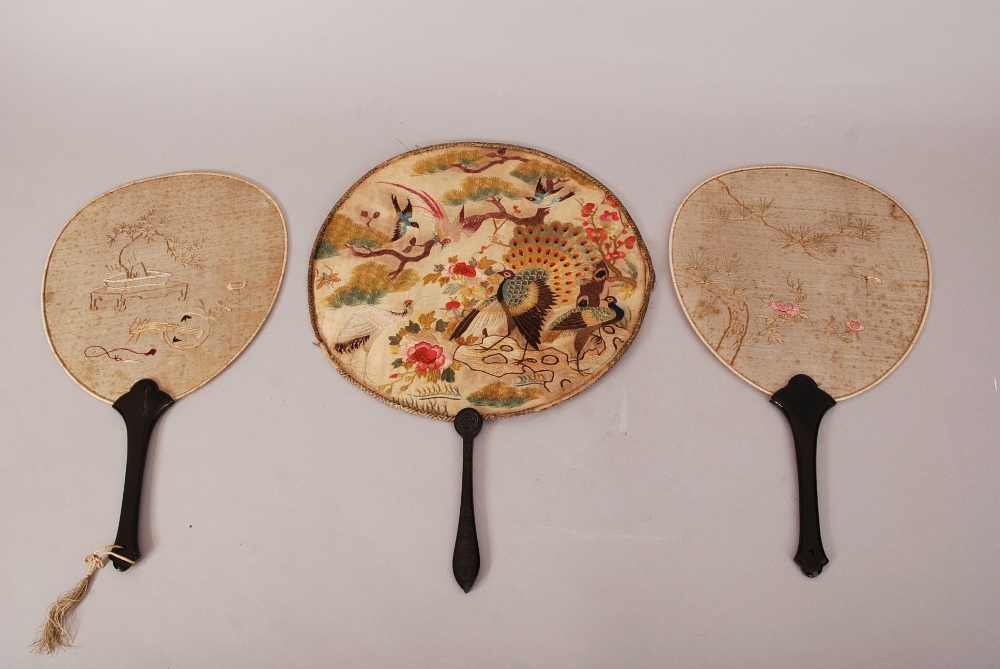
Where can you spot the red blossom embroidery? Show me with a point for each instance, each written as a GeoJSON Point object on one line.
{"type": "Point", "coordinates": [854, 326]}
{"type": "Point", "coordinates": [611, 200]}
{"type": "Point", "coordinates": [790, 309]}
{"type": "Point", "coordinates": [588, 209]}
{"type": "Point", "coordinates": [596, 234]}
{"type": "Point", "coordinates": [454, 304]}
{"type": "Point", "coordinates": [613, 215]}
{"type": "Point", "coordinates": [614, 255]}
{"type": "Point", "coordinates": [462, 269]}
{"type": "Point", "coordinates": [629, 243]}
{"type": "Point", "coordinates": [426, 356]}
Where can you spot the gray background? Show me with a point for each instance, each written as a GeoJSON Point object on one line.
{"type": "Point", "coordinates": [291, 520]}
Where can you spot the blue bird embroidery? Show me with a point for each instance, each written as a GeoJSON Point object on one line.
{"type": "Point", "coordinates": [546, 194]}
{"type": "Point", "coordinates": [404, 219]}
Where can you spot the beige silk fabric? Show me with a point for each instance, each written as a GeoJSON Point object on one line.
{"type": "Point", "coordinates": [416, 320]}
{"type": "Point", "coordinates": [785, 270]}
{"type": "Point", "coordinates": [167, 278]}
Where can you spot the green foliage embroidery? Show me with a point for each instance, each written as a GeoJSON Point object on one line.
{"type": "Point", "coordinates": [477, 189]}
{"type": "Point", "coordinates": [532, 170]}
{"type": "Point", "coordinates": [343, 231]}
{"type": "Point", "coordinates": [325, 250]}
{"type": "Point", "coordinates": [369, 283]}
{"type": "Point", "coordinates": [501, 396]}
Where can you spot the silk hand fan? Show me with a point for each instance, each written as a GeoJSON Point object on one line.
{"type": "Point", "coordinates": [476, 281]}
{"type": "Point", "coordinates": [150, 291]}
{"type": "Point", "coordinates": [811, 286]}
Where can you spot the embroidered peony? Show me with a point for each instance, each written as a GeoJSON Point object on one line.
{"type": "Point", "coordinates": [790, 309]}
{"type": "Point", "coordinates": [463, 269]}
{"type": "Point", "coordinates": [426, 356]}
{"type": "Point", "coordinates": [854, 326]}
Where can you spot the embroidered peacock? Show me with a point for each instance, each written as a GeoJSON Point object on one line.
{"type": "Point", "coordinates": [546, 266]}
{"type": "Point", "coordinates": [586, 321]}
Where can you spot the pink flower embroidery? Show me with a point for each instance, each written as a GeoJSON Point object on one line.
{"type": "Point", "coordinates": [854, 326]}
{"type": "Point", "coordinates": [790, 309]}
{"type": "Point", "coordinates": [426, 356]}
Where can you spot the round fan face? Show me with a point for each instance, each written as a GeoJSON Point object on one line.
{"type": "Point", "coordinates": [477, 275]}
{"type": "Point", "coordinates": [166, 279]}
{"type": "Point", "coordinates": [785, 270]}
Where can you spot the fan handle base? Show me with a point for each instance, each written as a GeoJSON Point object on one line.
{"type": "Point", "coordinates": [804, 403]}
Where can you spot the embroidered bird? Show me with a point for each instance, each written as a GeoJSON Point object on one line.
{"type": "Point", "coordinates": [366, 324]}
{"type": "Point", "coordinates": [448, 231]}
{"type": "Point", "coordinates": [546, 194]}
{"type": "Point", "coordinates": [404, 219]}
{"type": "Point", "coordinates": [871, 277]}
{"type": "Point", "coordinates": [586, 321]}
{"type": "Point", "coordinates": [543, 268]}
{"type": "Point", "coordinates": [590, 292]}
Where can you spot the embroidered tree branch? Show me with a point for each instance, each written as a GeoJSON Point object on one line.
{"type": "Point", "coordinates": [473, 222]}
{"type": "Point", "coordinates": [815, 243]}
{"type": "Point", "coordinates": [724, 281]}
{"type": "Point", "coordinates": [469, 160]}
{"type": "Point", "coordinates": [402, 257]}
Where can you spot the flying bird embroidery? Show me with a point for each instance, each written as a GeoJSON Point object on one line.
{"type": "Point", "coordinates": [872, 279]}
{"type": "Point", "coordinates": [404, 219]}
{"type": "Point", "coordinates": [546, 194]}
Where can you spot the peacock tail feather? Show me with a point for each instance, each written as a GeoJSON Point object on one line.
{"type": "Point", "coordinates": [558, 253]}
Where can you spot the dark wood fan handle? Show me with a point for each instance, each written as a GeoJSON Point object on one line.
{"type": "Point", "coordinates": [465, 561]}
{"type": "Point", "coordinates": [140, 407]}
{"type": "Point", "coordinates": [804, 404]}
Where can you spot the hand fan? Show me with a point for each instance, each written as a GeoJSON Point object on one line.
{"type": "Point", "coordinates": [476, 281]}
{"type": "Point", "coordinates": [150, 291]}
{"type": "Point", "coordinates": [811, 286]}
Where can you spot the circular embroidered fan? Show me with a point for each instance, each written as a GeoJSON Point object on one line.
{"type": "Point", "coordinates": [150, 291]}
{"type": "Point", "coordinates": [801, 274]}
{"type": "Point", "coordinates": [481, 277]}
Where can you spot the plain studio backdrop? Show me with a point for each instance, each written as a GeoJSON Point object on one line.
{"type": "Point", "coordinates": [291, 520]}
